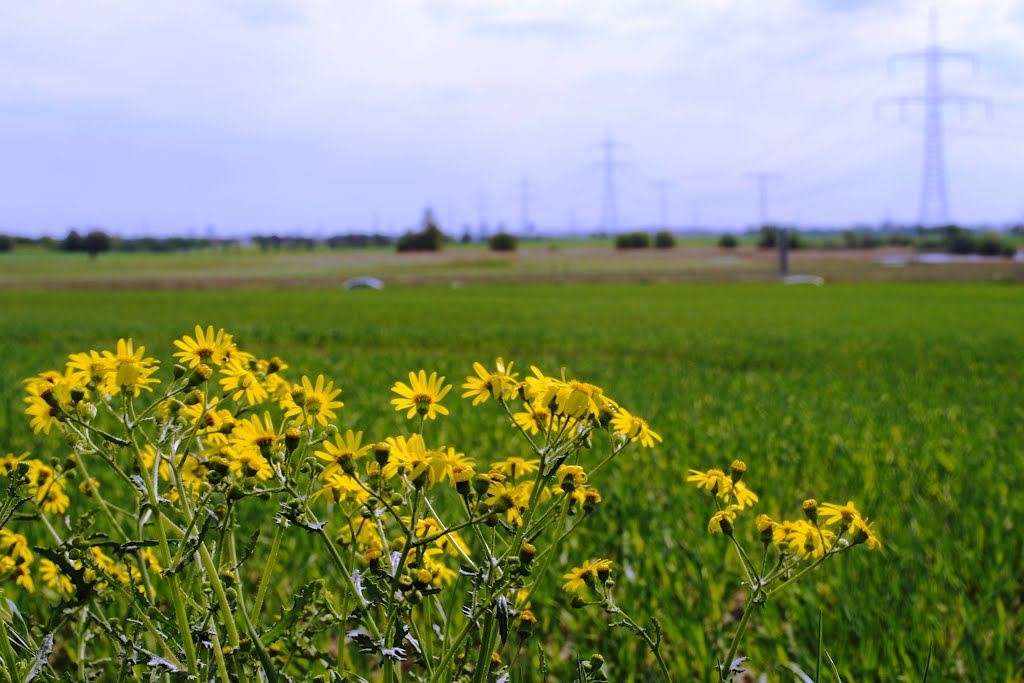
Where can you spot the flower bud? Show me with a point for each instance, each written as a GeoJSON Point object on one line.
{"type": "Point", "coordinates": [194, 398]}
{"type": "Point", "coordinates": [422, 578]}
{"type": "Point", "coordinates": [275, 365]}
{"type": "Point", "coordinates": [381, 452]}
{"type": "Point", "coordinates": [765, 526]}
{"type": "Point", "coordinates": [178, 371]}
{"type": "Point", "coordinates": [596, 661]}
{"type": "Point", "coordinates": [527, 551]}
{"type": "Point", "coordinates": [810, 508]}
{"type": "Point", "coordinates": [577, 602]}
{"type": "Point", "coordinates": [202, 373]}
{"type": "Point", "coordinates": [481, 483]}
{"type": "Point", "coordinates": [405, 583]}
{"type": "Point", "coordinates": [527, 620]}
{"type": "Point", "coordinates": [77, 394]}
{"type": "Point", "coordinates": [48, 396]}
{"type": "Point", "coordinates": [86, 411]}
{"type": "Point", "coordinates": [738, 469]}
{"type": "Point", "coordinates": [292, 437]}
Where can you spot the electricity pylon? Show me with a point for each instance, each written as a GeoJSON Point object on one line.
{"type": "Point", "coordinates": [934, 200]}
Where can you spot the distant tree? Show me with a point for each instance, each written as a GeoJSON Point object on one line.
{"type": "Point", "coordinates": [664, 239]}
{"type": "Point", "coordinates": [633, 240]}
{"type": "Point", "coordinates": [429, 238]}
{"type": "Point", "coordinates": [503, 241]}
{"type": "Point", "coordinates": [728, 241]}
{"type": "Point", "coordinates": [6, 243]}
{"type": "Point", "coordinates": [73, 242]}
{"type": "Point", "coordinates": [95, 242]}
{"type": "Point", "coordinates": [768, 238]}
{"type": "Point", "coordinates": [992, 244]}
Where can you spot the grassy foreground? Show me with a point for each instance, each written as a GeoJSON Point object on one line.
{"type": "Point", "coordinates": [905, 398]}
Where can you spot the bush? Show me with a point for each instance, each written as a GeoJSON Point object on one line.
{"type": "Point", "coordinates": [633, 240]}
{"type": "Point", "coordinates": [6, 243]}
{"type": "Point", "coordinates": [95, 242]}
{"type": "Point", "coordinates": [728, 241]}
{"type": "Point", "coordinates": [430, 238]}
{"type": "Point", "coordinates": [663, 239]}
{"type": "Point", "coordinates": [993, 244]}
{"type": "Point", "coordinates": [503, 241]}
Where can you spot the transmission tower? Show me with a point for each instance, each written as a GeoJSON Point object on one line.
{"type": "Point", "coordinates": [782, 239]}
{"type": "Point", "coordinates": [663, 188]}
{"type": "Point", "coordinates": [934, 206]}
{"type": "Point", "coordinates": [609, 212]}
{"type": "Point", "coordinates": [525, 195]}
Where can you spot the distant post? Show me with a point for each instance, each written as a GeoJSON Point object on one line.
{"type": "Point", "coordinates": [783, 251]}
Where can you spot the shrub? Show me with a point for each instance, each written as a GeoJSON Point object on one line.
{"type": "Point", "coordinates": [503, 241]}
{"type": "Point", "coordinates": [430, 238]}
{"type": "Point", "coordinates": [992, 244]}
{"type": "Point", "coordinates": [6, 243]}
{"type": "Point", "coordinates": [663, 239]}
{"type": "Point", "coordinates": [633, 240]}
{"type": "Point", "coordinates": [728, 241]}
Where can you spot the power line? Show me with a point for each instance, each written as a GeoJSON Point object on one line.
{"type": "Point", "coordinates": [934, 206]}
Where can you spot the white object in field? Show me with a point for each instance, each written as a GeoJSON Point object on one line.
{"type": "Point", "coordinates": [816, 280]}
{"type": "Point", "coordinates": [363, 283]}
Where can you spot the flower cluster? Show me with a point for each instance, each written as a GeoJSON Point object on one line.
{"type": "Point", "coordinates": [165, 463]}
{"type": "Point", "coordinates": [824, 531]}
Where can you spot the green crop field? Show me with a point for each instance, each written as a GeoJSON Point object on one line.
{"type": "Point", "coordinates": [903, 397]}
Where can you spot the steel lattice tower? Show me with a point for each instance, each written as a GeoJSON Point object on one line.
{"type": "Point", "coordinates": [609, 212]}
{"type": "Point", "coordinates": [934, 201]}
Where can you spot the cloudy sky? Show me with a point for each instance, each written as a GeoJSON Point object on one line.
{"type": "Point", "coordinates": [322, 116]}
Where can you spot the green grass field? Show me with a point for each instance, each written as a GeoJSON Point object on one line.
{"type": "Point", "coordinates": [905, 398]}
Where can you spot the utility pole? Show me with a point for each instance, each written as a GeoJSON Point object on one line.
{"type": "Point", "coordinates": [609, 211]}
{"type": "Point", "coordinates": [762, 178]}
{"type": "Point", "coordinates": [934, 201]}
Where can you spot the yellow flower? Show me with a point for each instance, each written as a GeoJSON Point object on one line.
{"type": "Point", "coordinates": [53, 578]}
{"type": "Point", "coordinates": [714, 480]}
{"type": "Point", "coordinates": [207, 347]}
{"type": "Point", "coordinates": [318, 402]}
{"type": "Point", "coordinates": [842, 514]}
{"type": "Point", "coordinates": [254, 435]}
{"type": "Point", "coordinates": [52, 498]}
{"type": "Point", "coordinates": [535, 419]}
{"type": "Point", "coordinates": [578, 577]}
{"type": "Point", "coordinates": [249, 463]}
{"type": "Point", "coordinates": [585, 574]}
{"type": "Point", "coordinates": [499, 384]}
{"type": "Point", "coordinates": [579, 399]}
{"type": "Point", "coordinates": [633, 428]}
{"type": "Point", "coordinates": [131, 370]}
{"type": "Point", "coordinates": [515, 466]}
{"type": "Point", "coordinates": [88, 369]}
{"type": "Point", "coordinates": [412, 459]}
{"type": "Point", "coordinates": [442, 573]}
{"type": "Point", "coordinates": [47, 399]}
{"type": "Point", "coordinates": [864, 533]}
{"type": "Point", "coordinates": [741, 493]}
{"type": "Point", "coordinates": [421, 396]}
{"type": "Point", "coordinates": [806, 539]}
{"type": "Point", "coordinates": [239, 381]}
{"type": "Point", "coordinates": [570, 476]}
{"type": "Point", "coordinates": [341, 487]}
{"type": "Point", "coordinates": [342, 453]}
{"type": "Point", "coordinates": [9, 462]}
{"type": "Point", "coordinates": [721, 521]}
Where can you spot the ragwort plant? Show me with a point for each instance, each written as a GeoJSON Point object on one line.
{"type": "Point", "coordinates": [790, 550]}
{"type": "Point", "coordinates": [137, 553]}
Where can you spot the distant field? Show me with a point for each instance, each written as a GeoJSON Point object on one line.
{"type": "Point", "coordinates": [551, 262]}
{"type": "Point", "coordinates": [904, 397]}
